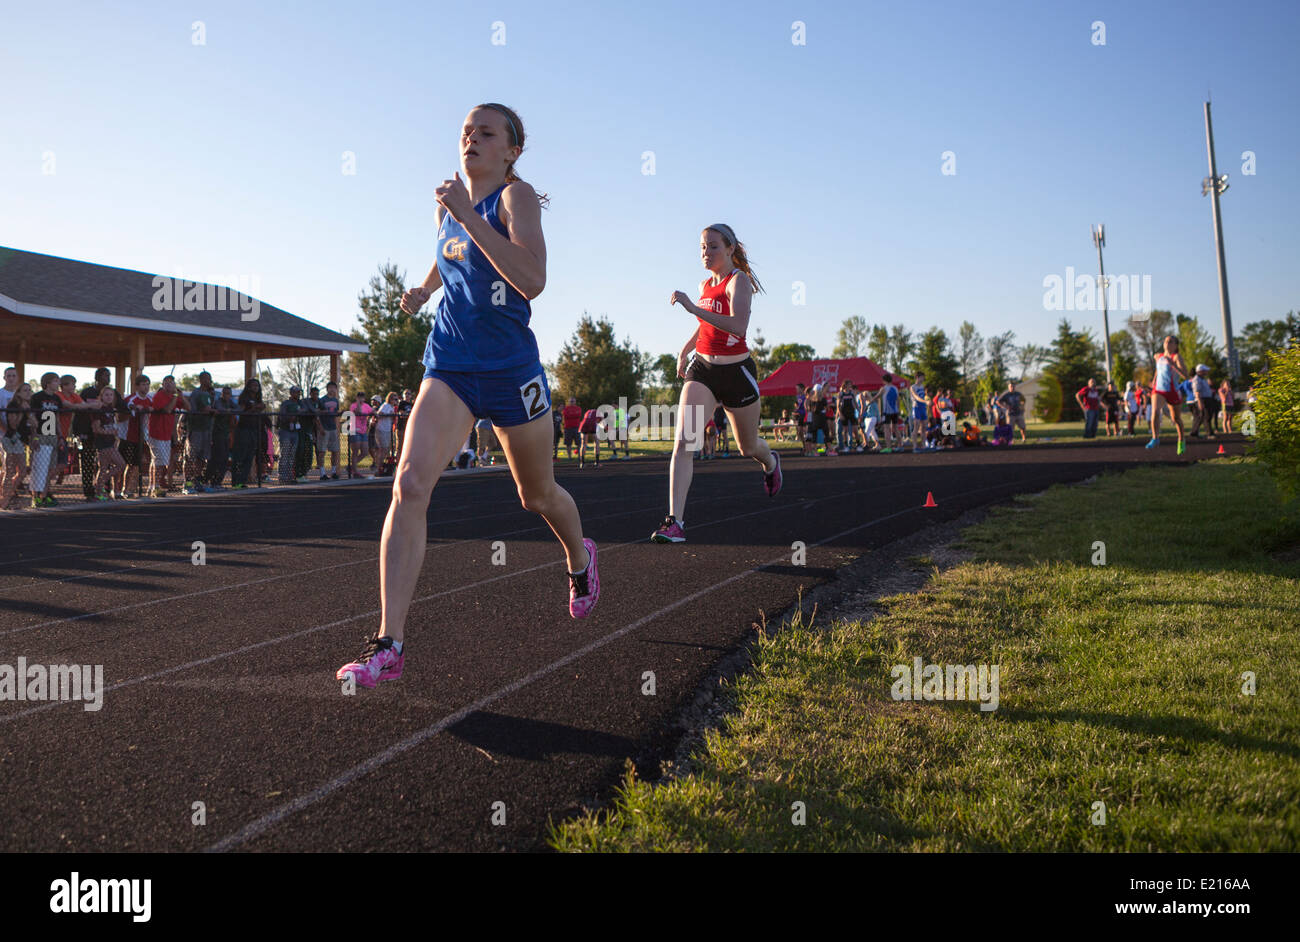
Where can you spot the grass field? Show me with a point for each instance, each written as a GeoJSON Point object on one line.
{"type": "Point", "coordinates": [1119, 683]}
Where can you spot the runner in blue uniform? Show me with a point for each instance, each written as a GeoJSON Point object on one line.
{"type": "Point", "coordinates": [481, 361]}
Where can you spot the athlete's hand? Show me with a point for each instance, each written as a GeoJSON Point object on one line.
{"type": "Point", "coordinates": [415, 299]}
{"type": "Point", "coordinates": [682, 363]}
{"type": "Point", "coordinates": [453, 195]}
{"type": "Point", "coordinates": [682, 298]}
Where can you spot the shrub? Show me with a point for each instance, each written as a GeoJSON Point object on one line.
{"type": "Point", "coordinates": [1277, 419]}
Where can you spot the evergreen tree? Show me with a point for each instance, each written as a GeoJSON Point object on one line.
{"type": "Point", "coordinates": [396, 339]}
{"type": "Point", "coordinates": [596, 369]}
{"type": "Point", "coordinates": [1072, 360]}
{"type": "Point", "coordinates": [762, 354]}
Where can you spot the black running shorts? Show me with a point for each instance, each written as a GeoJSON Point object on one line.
{"type": "Point", "coordinates": [735, 385]}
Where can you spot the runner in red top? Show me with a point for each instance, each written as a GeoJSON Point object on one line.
{"type": "Point", "coordinates": [572, 419]}
{"type": "Point", "coordinates": [721, 371]}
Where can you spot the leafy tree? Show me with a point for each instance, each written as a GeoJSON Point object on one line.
{"type": "Point", "coordinates": [1277, 409]}
{"type": "Point", "coordinates": [900, 347]}
{"type": "Point", "coordinates": [1197, 345]}
{"type": "Point", "coordinates": [273, 391]}
{"type": "Point", "coordinates": [1261, 337]}
{"type": "Point", "coordinates": [851, 338]}
{"type": "Point", "coordinates": [396, 339]}
{"type": "Point", "coordinates": [934, 358]}
{"type": "Point", "coordinates": [596, 369]}
{"type": "Point", "coordinates": [878, 343]}
{"type": "Point", "coordinates": [1027, 357]}
{"type": "Point", "coordinates": [1149, 331]}
{"type": "Point", "coordinates": [306, 372]}
{"type": "Point", "coordinates": [970, 353]}
{"type": "Point", "coordinates": [993, 379]}
{"type": "Point", "coordinates": [782, 353]}
{"type": "Point", "coordinates": [1124, 358]}
{"type": "Point", "coordinates": [999, 349]}
{"type": "Point", "coordinates": [1071, 361]}
{"type": "Point", "coordinates": [791, 351]}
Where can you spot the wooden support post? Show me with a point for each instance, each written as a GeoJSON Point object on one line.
{"type": "Point", "coordinates": [137, 358]}
{"type": "Point", "coordinates": [334, 367]}
{"type": "Point", "coordinates": [250, 364]}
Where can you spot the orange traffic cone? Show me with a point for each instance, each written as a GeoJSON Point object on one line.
{"type": "Point", "coordinates": [1220, 451]}
{"type": "Point", "coordinates": [929, 500]}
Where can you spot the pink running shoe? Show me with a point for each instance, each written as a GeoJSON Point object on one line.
{"type": "Point", "coordinates": [772, 481]}
{"type": "Point", "coordinates": [670, 531]}
{"type": "Point", "coordinates": [378, 661]}
{"type": "Point", "coordinates": [584, 588]}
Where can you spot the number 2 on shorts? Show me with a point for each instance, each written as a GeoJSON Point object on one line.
{"type": "Point", "coordinates": [533, 394]}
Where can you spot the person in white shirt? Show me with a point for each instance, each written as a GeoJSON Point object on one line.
{"type": "Point", "coordinates": [384, 426]}
{"type": "Point", "coordinates": [1203, 394]}
{"type": "Point", "coordinates": [10, 387]}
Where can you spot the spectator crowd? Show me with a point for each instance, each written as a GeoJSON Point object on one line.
{"type": "Point", "coordinates": [126, 444]}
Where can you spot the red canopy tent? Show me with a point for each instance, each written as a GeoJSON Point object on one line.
{"type": "Point", "coordinates": [865, 374]}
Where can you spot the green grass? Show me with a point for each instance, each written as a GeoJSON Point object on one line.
{"type": "Point", "coordinates": [1119, 683]}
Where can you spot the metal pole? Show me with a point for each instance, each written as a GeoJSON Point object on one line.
{"type": "Point", "coordinates": [1217, 186]}
{"type": "Point", "coordinates": [1099, 239]}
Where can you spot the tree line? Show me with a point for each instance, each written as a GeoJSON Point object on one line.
{"type": "Point", "coordinates": [597, 368]}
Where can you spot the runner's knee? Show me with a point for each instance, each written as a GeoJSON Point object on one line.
{"type": "Point", "coordinates": [535, 499]}
{"type": "Point", "coordinates": [411, 488]}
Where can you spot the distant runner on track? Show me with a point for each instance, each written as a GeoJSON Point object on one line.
{"type": "Point", "coordinates": [721, 371]}
{"type": "Point", "coordinates": [481, 360]}
{"type": "Point", "coordinates": [1164, 391]}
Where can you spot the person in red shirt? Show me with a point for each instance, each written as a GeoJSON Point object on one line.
{"type": "Point", "coordinates": [1089, 399]}
{"type": "Point", "coordinates": [134, 447]}
{"type": "Point", "coordinates": [721, 372]}
{"type": "Point", "coordinates": [162, 427]}
{"type": "Point", "coordinates": [590, 423]}
{"type": "Point", "coordinates": [67, 391]}
{"type": "Point", "coordinates": [572, 415]}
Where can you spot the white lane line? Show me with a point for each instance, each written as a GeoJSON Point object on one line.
{"type": "Point", "coordinates": [307, 572]}
{"type": "Point", "coordinates": [271, 818]}
{"type": "Point", "coordinates": [151, 566]}
{"type": "Point", "coordinates": [373, 612]}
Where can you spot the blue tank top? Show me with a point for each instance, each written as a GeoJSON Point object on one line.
{"type": "Point", "coordinates": [891, 398]}
{"type": "Point", "coordinates": [471, 333]}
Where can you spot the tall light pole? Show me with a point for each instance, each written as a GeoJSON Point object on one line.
{"type": "Point", "coordinates": [1099, 240]}
{"type": "Point", "coordinates": [1214, 185]}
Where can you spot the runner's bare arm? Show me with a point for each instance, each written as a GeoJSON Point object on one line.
{"type": "Point", "coordinates": [740, 294]}
{"type": "Point", "coordinates": [418, 297]}
{"type": "Point", "coordinates": [521, 258]}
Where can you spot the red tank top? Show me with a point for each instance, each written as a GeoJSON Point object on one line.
{"type": "Point", "coordinates": [712, 340]}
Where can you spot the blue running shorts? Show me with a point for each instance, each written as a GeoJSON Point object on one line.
{"type": "Point", "coordinates": [512, 396]}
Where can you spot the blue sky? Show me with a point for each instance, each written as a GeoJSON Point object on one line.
{"type": "Point", "coordinates": [226, 158]}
